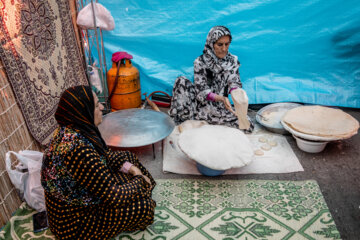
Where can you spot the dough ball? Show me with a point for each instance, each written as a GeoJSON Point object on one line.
{"type": "Point", "coordinates": [258, 152]}
{"type": "Point", "coordinates": [272, 143]}
{"type": "Point", "coordinates": [190, 124]}
{"type": "Point", "coordinates": [263, 139]}
{"type": "Point", "coordinates": [266, 147]}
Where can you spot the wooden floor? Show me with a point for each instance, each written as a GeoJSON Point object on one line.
{"type": "Point", "coordinates": [336, 169]}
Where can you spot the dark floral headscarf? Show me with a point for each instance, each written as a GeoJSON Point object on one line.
{"type": "Point", "coordinates": [229, 62]}
{"type": "Point", "coordinates": [76, 110]}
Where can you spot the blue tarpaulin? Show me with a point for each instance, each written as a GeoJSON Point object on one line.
{"type": "Point", "coordinates": [300, 51]}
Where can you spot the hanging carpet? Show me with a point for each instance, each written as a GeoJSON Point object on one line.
{"type": "Point", "coordinates": [41, 58]}
{"type": "Point", "coordinates": [220, 209]}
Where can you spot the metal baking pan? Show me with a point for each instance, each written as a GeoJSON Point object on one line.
{"type": "Point", "coordinates": [270, 116]}
{"type": "Point", "coordinates": [135, 127]}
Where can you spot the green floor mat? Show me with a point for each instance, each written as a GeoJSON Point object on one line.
{"type": "Point", "coordinates": [221, 209]}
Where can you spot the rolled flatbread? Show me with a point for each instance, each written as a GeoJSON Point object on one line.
{"type": "Point", "coordinates": [217, 147]}
{"type": "Point", "coordinates": [241, 103]}
{"type": "Point", "coordinates": [321, 121]}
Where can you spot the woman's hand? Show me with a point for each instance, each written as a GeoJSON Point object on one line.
{"type": "Point", "coordinates": [136, 171]}
{"type": "Point", "coordinates": [226, 102]}
{"type": "Point", "coordinates": [147, 180]}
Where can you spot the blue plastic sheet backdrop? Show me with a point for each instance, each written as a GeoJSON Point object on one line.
{"type": "Point", "coordinates": [290, 51]}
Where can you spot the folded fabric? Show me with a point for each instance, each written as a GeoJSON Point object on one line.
{"type": "Point", "coordinates": [120, 55]}
{"type": "Point", "coordinates": [103, 17]}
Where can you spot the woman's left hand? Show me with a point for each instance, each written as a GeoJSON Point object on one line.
{"type": "Point", "coordinates": [226, 102]}
{"type": "Point", "coordinates": [136, 171]}
{"type": "Point", "coordinates": [147, 180]}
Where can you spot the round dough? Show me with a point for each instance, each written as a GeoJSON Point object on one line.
{"type": "Point", "coordinates": [263, 139]}
{"type": "Point", "coordinates": [321, 121]}
{"type": "Point", "coordinates": [272, 143]}
{"type": "Point", "coordinates": [266, 147]}
{"type": "Point", "coordinates": [273, 118]}
{"type": "Point", "coordinates": [259, 152]}
{"type": "Point", "coordinates": [217, 147]}
{"type": "Point", "coordinates": [190, 124]}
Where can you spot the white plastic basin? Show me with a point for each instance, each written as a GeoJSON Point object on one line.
{"type": "Point", "coordinates": [310, 146]}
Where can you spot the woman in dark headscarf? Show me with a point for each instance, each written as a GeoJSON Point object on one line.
{"type": "Point", "coordinates": [216, 74]}
{"type": "Point", "coordinates": [91, 191]}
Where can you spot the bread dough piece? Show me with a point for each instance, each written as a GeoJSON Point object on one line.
{"type": "Point", "coordinates": [263, 139]}
{"type": "Point", "coordinates": [266, 147]}
{"type": "Point", "coordinates": [241, 103]}
{"type": "Point", "coordinates": [272, 143]}
{"type": "Point", "coordinates": [321, 121]}
{"type": "Point", "coordinates": [273, 118]}
{"type": "Point", "coordinates": [190, 124]}
{"type": "Point", "coordinates": [217, 147]}
{"type": "Point", "coordinates": [259, 152]}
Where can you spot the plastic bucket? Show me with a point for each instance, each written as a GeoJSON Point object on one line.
{"type": "Point", "coordinates": [208, 171]}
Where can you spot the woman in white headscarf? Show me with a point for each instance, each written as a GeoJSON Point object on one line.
{"type": "Point", "coordinates": [216, 74]}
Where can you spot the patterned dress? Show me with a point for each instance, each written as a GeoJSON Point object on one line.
{"type": "Point", "coordinates": [87, 196]}
{"type": "Point", "coordinates": [211, 74]}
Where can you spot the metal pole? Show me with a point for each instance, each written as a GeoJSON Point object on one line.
{"type": "Point", "coordinates": [89, 43]}
{"type": "Point", "coordinates": [97, 45]}
{"type": "Point", "coordinates": [104, 73]}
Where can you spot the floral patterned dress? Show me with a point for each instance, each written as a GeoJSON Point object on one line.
{"type": "Point", "coordinates": [211, 74]}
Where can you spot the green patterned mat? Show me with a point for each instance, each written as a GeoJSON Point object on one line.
{"type": "Point", "coordinates": [226, 209]}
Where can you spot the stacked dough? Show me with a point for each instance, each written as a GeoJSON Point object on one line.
{"type": "Point", "coordinates": [321, 121]}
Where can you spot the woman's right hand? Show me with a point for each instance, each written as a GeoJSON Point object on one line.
{"type": "Point", "coordinates": [226, 103]}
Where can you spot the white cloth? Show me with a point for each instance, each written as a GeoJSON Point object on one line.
{"type": "Point", "coordinates": [217, 147]}
{"type": "Point", "coordinates": [279, 159]}
{"type": "Point", "coordinates": [103, 17]}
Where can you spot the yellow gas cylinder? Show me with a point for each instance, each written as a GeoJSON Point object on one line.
{"type": "Point", "coordinates": [123, 81]}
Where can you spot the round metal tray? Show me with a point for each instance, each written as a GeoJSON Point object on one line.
{"type": "Point", "coordinates": [270, 116]}
{"type": "Point", "coordinates": [135, 127]}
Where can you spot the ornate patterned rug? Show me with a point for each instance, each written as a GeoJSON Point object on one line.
{"type": "Point", "coordinates": [41, 58]}
{"type": "Point", "coordinates": [226, 209]}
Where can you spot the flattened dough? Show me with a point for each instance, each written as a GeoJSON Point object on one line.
{"type": "Point", "coordinates": [321, 121]}
{"type": "Point", "coordinates": [190, 124]}
{"type": "Point", "coordinates": [259, 152]}
{"type": "Point", "coordinates": [217, 147]}
{"type": "Point", "coordinates": [266, 147]}
{"type": "Point", "coordinates": [272, 143]}
{"type": "Point", "coordinates": [263, 139]}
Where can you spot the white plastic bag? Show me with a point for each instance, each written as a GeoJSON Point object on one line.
{"type": "Point", "coordinates": [26, 177]}
{"type": "Point", "coordinates": [103, 17]}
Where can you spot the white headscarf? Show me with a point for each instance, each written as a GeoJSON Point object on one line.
{"type": "Point", "coordinates": [215, 64]}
